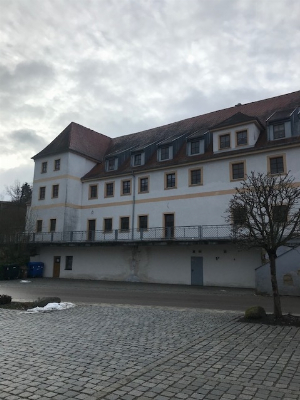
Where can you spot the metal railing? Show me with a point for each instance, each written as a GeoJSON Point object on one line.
{"type": "Point", "coordinates": [198, 232]}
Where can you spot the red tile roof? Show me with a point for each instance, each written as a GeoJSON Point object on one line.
{"type": "Point", "coordinates": [259, 110]}
{"type": "Point", "coordinates": [80, 140]}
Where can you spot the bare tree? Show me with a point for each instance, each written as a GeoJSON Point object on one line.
{"type": "Point", "coordinates": [265, 214]}
{"type": "Point", "coordinates": [19, 193]}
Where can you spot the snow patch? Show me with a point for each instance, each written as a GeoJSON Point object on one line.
{"type": "Point", "coordinates": [51, 307]}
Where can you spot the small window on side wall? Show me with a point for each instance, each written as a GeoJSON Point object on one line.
{"type": "Point", "coordinates": [52, 225]}
{"type": "Point", "coordinates": [69, 263]}
{"type": "Point", "coordinates": [42, 193]}
{"type": "Point", "coordinates": [39, 225]}
{"type": "Point", "coordinates": [93, 192]}
{"type": "Point", "coordinates": [195, 177]}
{"type": "Point", "coordinates": [107, 224]}
{"type": "Point", "coordinates": [239, 216]}
{"type": "Point", "coordinates": [57, 165]}
{"type": "Point", "coordinates": [55, 189]}
{"type": "Point", "coordinates": [276, 165]}
{"type": "Point", "coordinates": [124, 224]}
{"type": "Point", "coordinates": [44, 167]}
{"type": "Point", "coordinates": [143, 222]}
{"type": "Point", "coordinates": [237, 171]}
{"type": "Point", "coordinates": [109, 189]}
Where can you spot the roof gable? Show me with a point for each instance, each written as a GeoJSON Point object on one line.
{"type": "Point", "coordinates": [80, 140]}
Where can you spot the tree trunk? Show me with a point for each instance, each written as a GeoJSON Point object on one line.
{"type": "Point", "coordinates": [276, 297]}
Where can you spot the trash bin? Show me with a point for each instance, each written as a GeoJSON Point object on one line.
{"type": "Point", "coordinates": [2, 272]}
{"type": "Point", "coordinates": [23, 272]}
{"type": "Point", "coordinates": [11, 271]}
{"type": "Point", "coordinates": [35, 269]}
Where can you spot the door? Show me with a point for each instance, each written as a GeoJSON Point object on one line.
{"type": "Point", "coordinates": [56, 267]}
{"type": "Point", "coordinates": [91, 229]}
{"type": "Point", "coordinates": [197, 271]}
{"type": "Point", "coordinates": [169, 226]}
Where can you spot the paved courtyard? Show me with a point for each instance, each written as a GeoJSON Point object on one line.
{"type": "Point", "coordinates": [139, 352]}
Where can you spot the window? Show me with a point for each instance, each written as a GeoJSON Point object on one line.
{"type": "Point", "coordinates": [44, 167]}
{"type": "Point", "coordinates": [237, 170]}
{"type": "Point", "coordinates": [165, 153]}
{"type": "Point", "coordinates": [69, 263]}
{"type": "Point", "coordinates": [111, 164]}
{"type": "Point", "coordinates": [224, 141]}
{"type": "Point", "coordinates": [239, 216]}
{"type": "Point", "coordinates": [55, 191]}
{"type": "Point", "coordinates": [144, 185]}
{"type": "Point", "coordinates": [143, 222]}
{"type": "Point", "coordinates": [124, 223]}
{"type": "Point", "coordinates": [170, 180]}
{"type": "Point", "coordinates": [276, 165]}
{"type": "Point", "coordinates": [39, 225]}
{"type": "Point", "coordinates": [93, 192]}
{"type": "Point", "coordinates": [126, 187]}
{"type": "Point", "coordinates": [57, 165]}
{"type": "Point", "coordinates": [195, 147]}
{"type": "Point", "coordinates": [195, 177]}
{"type": "Point", "coordinates": [107, 224]}
{"type": "Point", "coordinates": [280, 213]}
{"type": "Point", "coordinates": [241, 138]}
{"type": "Point", "coordinates": [52, 225]}
{"type": "Point", "coordinates": [42, 193]}
{"type": "Point", "coordinates": [138, 159]}
{"type": "Point", "coordinates": [278, 131]}
{"type": "Point", "coordinates": [91, 229]}
{"type": "Point", "coordinates": [109, 189]}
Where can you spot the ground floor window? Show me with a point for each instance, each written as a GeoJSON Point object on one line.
{"type": "Point", "coordinates": [69, 262]}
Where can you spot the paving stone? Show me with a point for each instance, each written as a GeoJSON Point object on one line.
{"type": "Point", "coordinates": [132, 352]}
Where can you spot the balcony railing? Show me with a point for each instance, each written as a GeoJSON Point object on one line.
{"type": "Point", "coordinates": [189, 233]}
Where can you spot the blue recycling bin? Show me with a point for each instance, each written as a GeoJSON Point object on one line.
{"type": "Point", "coordinates": [35, 269]}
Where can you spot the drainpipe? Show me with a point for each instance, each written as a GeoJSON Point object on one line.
{"type": "Point", "coordinates": [133, 206]}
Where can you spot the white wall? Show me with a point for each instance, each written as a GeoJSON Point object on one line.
{"type": "Point", "coordinates": [253, 133]}
{"type": "Point", "coordinates": [223, 265]}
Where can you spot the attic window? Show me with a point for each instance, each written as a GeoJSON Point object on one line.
{"type": "Point", "coordinates": [278, 131]}
{"type": "Point", "coordinates": [111, 164]}
{"type": "Point", "coordinates": [138, 159]}
{"type": "Point", "coordinates": [165, 153]}
{"type": "Point", "coordinates": [195, 147]}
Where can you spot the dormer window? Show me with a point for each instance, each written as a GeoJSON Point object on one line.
{"type": "Point", "coordinates": [195, 147]}
{"type": "Point", "coordinates": [111, 164]}
{"type": "Point", "coordinates": [137, 159]}
{"type": "Point", "coordinates": [224, 141]}
{"type": "Point", "coordinates": [279, 131]}
{"type": "Point", "coordinates": [165, 153]}
{"type": "Point", "coordinates": [242, 138]}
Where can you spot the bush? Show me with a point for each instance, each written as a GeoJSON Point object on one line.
{"type": "Point", "coordinates": [5, 299]}
{"type": "Point", "coordinates": [256, 312]}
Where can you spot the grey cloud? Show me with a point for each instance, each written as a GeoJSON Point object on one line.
{"type": "Point", "coordinates": [22, 173]}
{"type": "Point", "coordinates": [26, 77]}
{"type": "Point", "coordinates": [27, 138]}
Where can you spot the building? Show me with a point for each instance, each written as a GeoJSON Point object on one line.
{"type": "Point", "coordinates": [150, 206]}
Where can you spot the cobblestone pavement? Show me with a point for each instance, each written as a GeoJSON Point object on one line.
{"type": "Point", "coordinates": [134, 352]}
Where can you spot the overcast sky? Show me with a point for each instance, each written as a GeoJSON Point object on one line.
{"type": "Point", "coordinates": [122, 66]}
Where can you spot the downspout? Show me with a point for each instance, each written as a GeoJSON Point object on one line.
{"type": "Point", "coordinates": [133, 206]}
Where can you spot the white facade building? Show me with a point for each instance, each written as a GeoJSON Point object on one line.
{"type": "Point", "coordinates": [150, 206]}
